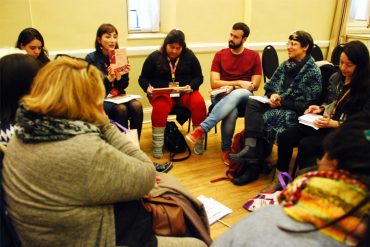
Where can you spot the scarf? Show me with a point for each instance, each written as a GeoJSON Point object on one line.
{"type": "Point", "coordinates": [34, 127]}
{"type": "Point", "coordinates": [319, 197]}
{"type": "Point", "coordinates": [292, 68]}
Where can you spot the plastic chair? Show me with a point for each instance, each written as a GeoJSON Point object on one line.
{"type": "Point", "coordinates": [336, 54]}
{"type": "Point", "coordinates": [270, 61]}
{"type": "Point", "coordinates": [316, 53]}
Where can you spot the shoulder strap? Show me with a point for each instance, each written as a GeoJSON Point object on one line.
{"type": "Point", "coordinates": [172, 155]}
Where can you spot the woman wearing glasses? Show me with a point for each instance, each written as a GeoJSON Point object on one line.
{"type": "Point", "coordinates": [115, 82]}
{"type": "Point", "coordinates": [295, 85]}
{"type": "Point", "coordinates": [348, 93]}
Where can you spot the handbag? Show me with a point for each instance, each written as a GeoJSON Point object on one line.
{"type": "Point", "coordinates": [168, 216]}
{"type": "Point", "coordinates": [131, 134]}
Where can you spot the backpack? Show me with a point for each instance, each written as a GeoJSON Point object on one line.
{"type": "Point", "coordinates": [237, 168]}
{"type": "Point", "coordinates": [175, 142]}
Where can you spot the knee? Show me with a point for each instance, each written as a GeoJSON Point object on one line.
{"type": "Point", "coordinates": [136, 105]}
{"type": "Point", "coordinates": [121, 108]}
{"type": "Point", "coordinates": [161, 103]}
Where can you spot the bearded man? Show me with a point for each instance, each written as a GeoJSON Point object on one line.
{"type": "Point", "coordinates": [239, 70]}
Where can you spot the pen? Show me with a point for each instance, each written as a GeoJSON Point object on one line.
{"type": "Point", "coordinates": [224, 223]}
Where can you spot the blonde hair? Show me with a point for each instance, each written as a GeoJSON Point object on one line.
{"type": "Point", "coordinates": [68, 88]}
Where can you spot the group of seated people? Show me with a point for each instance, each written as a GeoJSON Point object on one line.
{"type": "Point", "coordinates": [75, 196]}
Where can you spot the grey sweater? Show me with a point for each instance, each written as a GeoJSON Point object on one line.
{"type": "Point", "coordinates": [259, 229]}
{"type": "Point", "coordinates": [61, 193]}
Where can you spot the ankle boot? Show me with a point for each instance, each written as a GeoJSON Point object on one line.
{"type": "Point", "coordinates": [158, 141]}
{"type": "Point", "coordinates": [250, 174]}
{"type": "Point", "coordinates": [248, 150]}
{"type": "Point", "coordinates": [275, 184]}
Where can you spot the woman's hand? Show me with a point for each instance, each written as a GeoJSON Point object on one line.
{"type": "Point", "coordinates": [275, 100]}
{"type": "Point", "coordinates": [315, 109]}
{"type": "Point", "coordinates": [326, 122]}
{"type": "Point", "coordinates": [110, 74]}
{"type": "Point", "coordinates": [149, 90]}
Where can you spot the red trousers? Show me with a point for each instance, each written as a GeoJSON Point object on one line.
{"type": "Point", "coordinates": [162, 105]}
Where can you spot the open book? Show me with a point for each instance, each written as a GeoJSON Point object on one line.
{"type": "Point", "coordinates": [218, 91]}
{"type": "Point", "coordinates": [171, 90]}
{"type": "Point", "coordinates": [118, 59]}
{"type": "Point", "coordinates": [262, 99]}
{"type": "Point", "coordinates": [215, 210]}
{"type": "Point", "coordinates": [308, 119]}
{"type": "Point", "coordinates": [123, 98]}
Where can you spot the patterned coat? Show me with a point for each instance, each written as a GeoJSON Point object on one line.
{"type": "Point", "coordinates": [304, 89]}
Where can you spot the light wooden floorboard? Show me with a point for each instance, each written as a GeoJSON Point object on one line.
{"type": "Point", "coordinates": [196, 173]}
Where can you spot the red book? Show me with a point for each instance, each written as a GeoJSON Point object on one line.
{"type": "Point", "coordinates": [118, 59]}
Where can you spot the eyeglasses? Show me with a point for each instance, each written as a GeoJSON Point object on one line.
{"type": "Point", "coordinates": [293, 44]}
{"type": "Point", "coordinates": [77, 58]}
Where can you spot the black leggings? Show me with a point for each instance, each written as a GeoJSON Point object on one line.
{"type": "Point", "coordinates": [122, 113]}
{"type": "Point", "coordinates": [308, 141]}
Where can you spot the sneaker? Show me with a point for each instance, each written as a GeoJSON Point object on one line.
{"type": "Point", "coordinates": [166, 167]}
{"type": "Point", "coordinates": [197, 135]}
{"type": "Point", "coordinates": [199, 148]}
{"type": "Point", "coordinates": [225, 157]}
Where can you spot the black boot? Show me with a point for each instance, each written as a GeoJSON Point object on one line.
{"type": "Point", "coordinates": [250, 174]}
{"type": "Point", "coordinates": [249, 150]}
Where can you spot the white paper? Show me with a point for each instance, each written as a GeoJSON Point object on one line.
{"type": "Point", "coordinates": [308, 119]}
{"type": "Point", "coordinates": [123, 98]}
{"type": "Point", "coordinates": [215, 210]}
{"type": "Point", "coordinates": [218, 91]}
{"type": "Point", "coordinates": [262, 99]}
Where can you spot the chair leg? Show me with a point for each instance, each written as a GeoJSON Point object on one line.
{"type": "Point", "coordinates": [189, 124]}
{"type": "Point", "coordinates": [205, 141]}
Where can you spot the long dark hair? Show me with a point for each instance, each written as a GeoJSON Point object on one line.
{"type": "Point", "coordinates": [174, 36]}
{"type": "Point", "coordinates": [28, 35]}
{"type": "Point", "coordinates": [358, 54]}
{"type": "Point", "coordinates": [16, 75]}
{"type": "Point", "coordinates": [104, 28]}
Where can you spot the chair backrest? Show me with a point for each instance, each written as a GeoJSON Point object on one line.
{"type": "Point", "coordinates": [327, 70]}
{"type": "Point", "coordinates": [336, 54]}
{"type": "Point", "coordinates": [316, 53]}
{"type": "Point", "coordinates": [270, 61]}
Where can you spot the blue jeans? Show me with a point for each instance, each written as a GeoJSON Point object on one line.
{"type": "Point", "coordinates": [226, 109]}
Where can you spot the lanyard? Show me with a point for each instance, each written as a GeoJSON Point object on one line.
{"type": "Point", "coordinates": [173, 68]}
{"type": "Point", "coordinates": [340, 100]}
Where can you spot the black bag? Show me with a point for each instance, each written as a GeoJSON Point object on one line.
{"type": "Point", "coordinates": [8, 235]}
{"type": "Point", "coordinates": [175, 142]}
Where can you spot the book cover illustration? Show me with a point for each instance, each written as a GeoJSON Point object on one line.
{"type": "Point", "coordinates": [118, 59]}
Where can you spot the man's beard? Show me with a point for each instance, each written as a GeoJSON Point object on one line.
{"type": "Point", "coordinates": [235, 46]}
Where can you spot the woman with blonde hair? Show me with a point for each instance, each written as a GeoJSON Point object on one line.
{"type": "Point", "coordinates": [70, 177]}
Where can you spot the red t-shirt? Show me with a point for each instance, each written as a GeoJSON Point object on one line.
{"type": "Point", "coordinates": [237, 67]}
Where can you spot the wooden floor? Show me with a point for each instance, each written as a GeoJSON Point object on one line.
{"type": "Point", "coordinates": [196, 173]}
